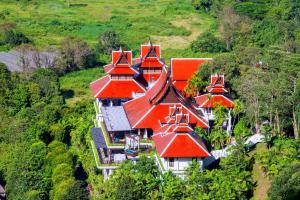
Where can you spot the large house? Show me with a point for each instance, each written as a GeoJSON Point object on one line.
{"type": "Point", "coordinates": [141, 105]}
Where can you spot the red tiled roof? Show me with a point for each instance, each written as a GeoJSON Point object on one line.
{"type": "Point", "coordinates": [180, 85]}
{"type": "Point", "coordinates": [109, 88]}
{"type": "Point", "coordinates": [214, 78]}
{"type": "Point", "coordinates": [146, 111]}
{"type": "Point", "coordinates": [115, 56]}
{"type": "Point", "coordinates": [182, 128]}
{"type": "Point", "coordinates": [182, 145]}
{"type": "Point", "coordinates": [122, 70]}
{"type": "Point", "coordinates": [216, 90]}
{"type": "Point", "coordinates": [184, 68]}
{"type": "Point", "coordinates": [146, 48]}
{"type": "Point", "coordinates": [209, 101]}
{"type": "Point", "coordinates": [108, 67]}
{"type": "Point", "coordinates": [151, 63]}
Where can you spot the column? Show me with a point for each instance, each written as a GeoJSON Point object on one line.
{"type": "Point", "coordinates": [111, 103]}
{"type": "Point", "coordinates": [139, 132]}
{"type": "Point", "coordinates": [146, 133]}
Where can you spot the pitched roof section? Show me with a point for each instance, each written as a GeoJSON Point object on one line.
{"type": "Point", "coordinates": [122, 70]}
{"type": "Point", "coordinates": [217, 84]}
{"type": "Point", "coordinates": [120, 64]}
{"type": "Point", "coordinates": [150, 57]}
{"type": "Point", "coordinates": [183, 145]}
{"type": "Point", "coordinates": [217, 80]}
{"type": "Point", "coordinates": [121, 57]}
{"type": "Point", "coordinates": [150, 110]}
{"type": "Point", "coordinates": [184, 68]}
{"type": "Point", "coordinates": [110, 88]}
{"type": "Point", "coordinates": [210, 101]}
{"type": "Point", "coordinates": [150, 50]}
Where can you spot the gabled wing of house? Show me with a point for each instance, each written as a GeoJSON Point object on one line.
{"type": "Point", "coordinates": [119, 83]}
{"type": "Point", "coordinates": [216, 94]}
{"type": "Point", "coordinates": [183, 69]}
{"type": "Point", "coordinates": [153, 109]}
{"type": "Point", "coordinates": [179, 142]}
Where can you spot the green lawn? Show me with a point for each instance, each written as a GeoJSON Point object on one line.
{"type": "Point", "coordinates": [173, 23]}
{"type": "Point", "coordinates": [75, 85]}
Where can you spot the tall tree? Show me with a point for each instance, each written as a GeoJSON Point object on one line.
{"type": "Point", "coordinates": [229, 22]}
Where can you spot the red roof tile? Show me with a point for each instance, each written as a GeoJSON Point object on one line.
{"type": "Point", "coordinates": [147, 111]}
{"type": "Point", "coordinates": [209, 101]}
{"type": "Point", "coordinates": [184, 68]}
{"type": "Point", "coordinates": [98, 84]}
{"type": "Point", "coordinates": [180, 85]}
{"type": "Point", "coordinates": [146, 48]}
{"type": "Point", "coordinates": [108, 88]}
{"type": "Point", "coordinates": [108, 67]}
{"type": "Point", "coordinates": [216, 90]}
{"type": "Point", "coordinates": [122, 70]}
{"type": "Point", "coordinates": [151, 63]}
{"type": "Point", "coordinates": [115, 56]}
{"type": "Point", "coordinates": [217, 79]}
{"type": "Point", "coordinates": [179, 145]}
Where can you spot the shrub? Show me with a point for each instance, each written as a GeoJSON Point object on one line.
{"type": "Point", "coordinates": [207, 42]}
{"type": "Point", "coordinates": [286, 185]}
{"type": "Point", "coordinates": [14, 38]}
{"type": "Point", "coordinates": [108, 41]}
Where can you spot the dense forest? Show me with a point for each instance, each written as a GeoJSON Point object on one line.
{"type": "Point", "coordinates": [46, 113]}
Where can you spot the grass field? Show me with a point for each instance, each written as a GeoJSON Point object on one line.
{"type": "Point", "coordinates": [75, 85]}
{"type": "Point", "coordinates": [172, 23]}
{"type": "Point", "coordinates": [262, 183]}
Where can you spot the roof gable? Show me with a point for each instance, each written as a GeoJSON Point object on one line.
{"type": "Point", "coordinates": [109, 88]}
{"type": "Point", "coordinates": [146, 111]}
{"type": "Point", "coordinates": [181, 145]}
{"type": "Point", "coordinates": [150, 50]}
{"type": "Point", "coordinates": [121, 57]}
{"type": "Point", "coordinates": [210, 101]}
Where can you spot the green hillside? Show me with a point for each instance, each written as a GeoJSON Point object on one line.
{"type": "Point", "coordinates": [173, 24]}
{"type": "Point", "coordinates": [46, 112]}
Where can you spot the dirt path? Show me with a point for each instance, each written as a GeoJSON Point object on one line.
{"type": "Point", "coordinates": [261, 180]}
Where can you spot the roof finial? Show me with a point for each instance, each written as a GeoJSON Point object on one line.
{"type": "Point", "coordinates": [120, 49]}
{"type": "Point", "coordinates": [150, 43]}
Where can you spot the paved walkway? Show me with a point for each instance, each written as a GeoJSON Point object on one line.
{"type": "Point", "coordinates": [223, 153]}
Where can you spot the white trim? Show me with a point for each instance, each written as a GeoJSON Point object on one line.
{"type": "Point", "coordinates": [167, 130]}
{"type": "Point", "coordinates": [224, 97]}
{"type": "Point", "coordinates": [216, 75]}
{"type": "Point", "coordinates": [119, 57]}
{"type": "Point", "coordinates": [204, 101]}
{"type": "Point", "coordinates": [211, 88]}
{"type": "Point", "coordinates": [213, 96]}
{"type": "Point", "coordinates": [103, 88]}
{"type": "Point", "coordinates": [198, 144]}
{"type": "Point", "coordinates": [154, 45]}
{"type": "Point", "coordinates": [183, 127]}
{"type": "Point", "coordinates": [143, 116]}
{"type": "Point", "coordinates": [162, 153]}
{"type": "Point", "coordinates": [196, 116]}
{"type": "Point", "coordinates": [107, 65]}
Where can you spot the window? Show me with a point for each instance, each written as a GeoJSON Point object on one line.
{"type": "Point", "coordinates": [171, 162]}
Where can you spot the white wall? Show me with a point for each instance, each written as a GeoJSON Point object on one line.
{"type": "Point", "coordinates": [180, 164]}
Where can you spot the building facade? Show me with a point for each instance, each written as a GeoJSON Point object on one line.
{"type": "Point", "coordinates": [141, 107]}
